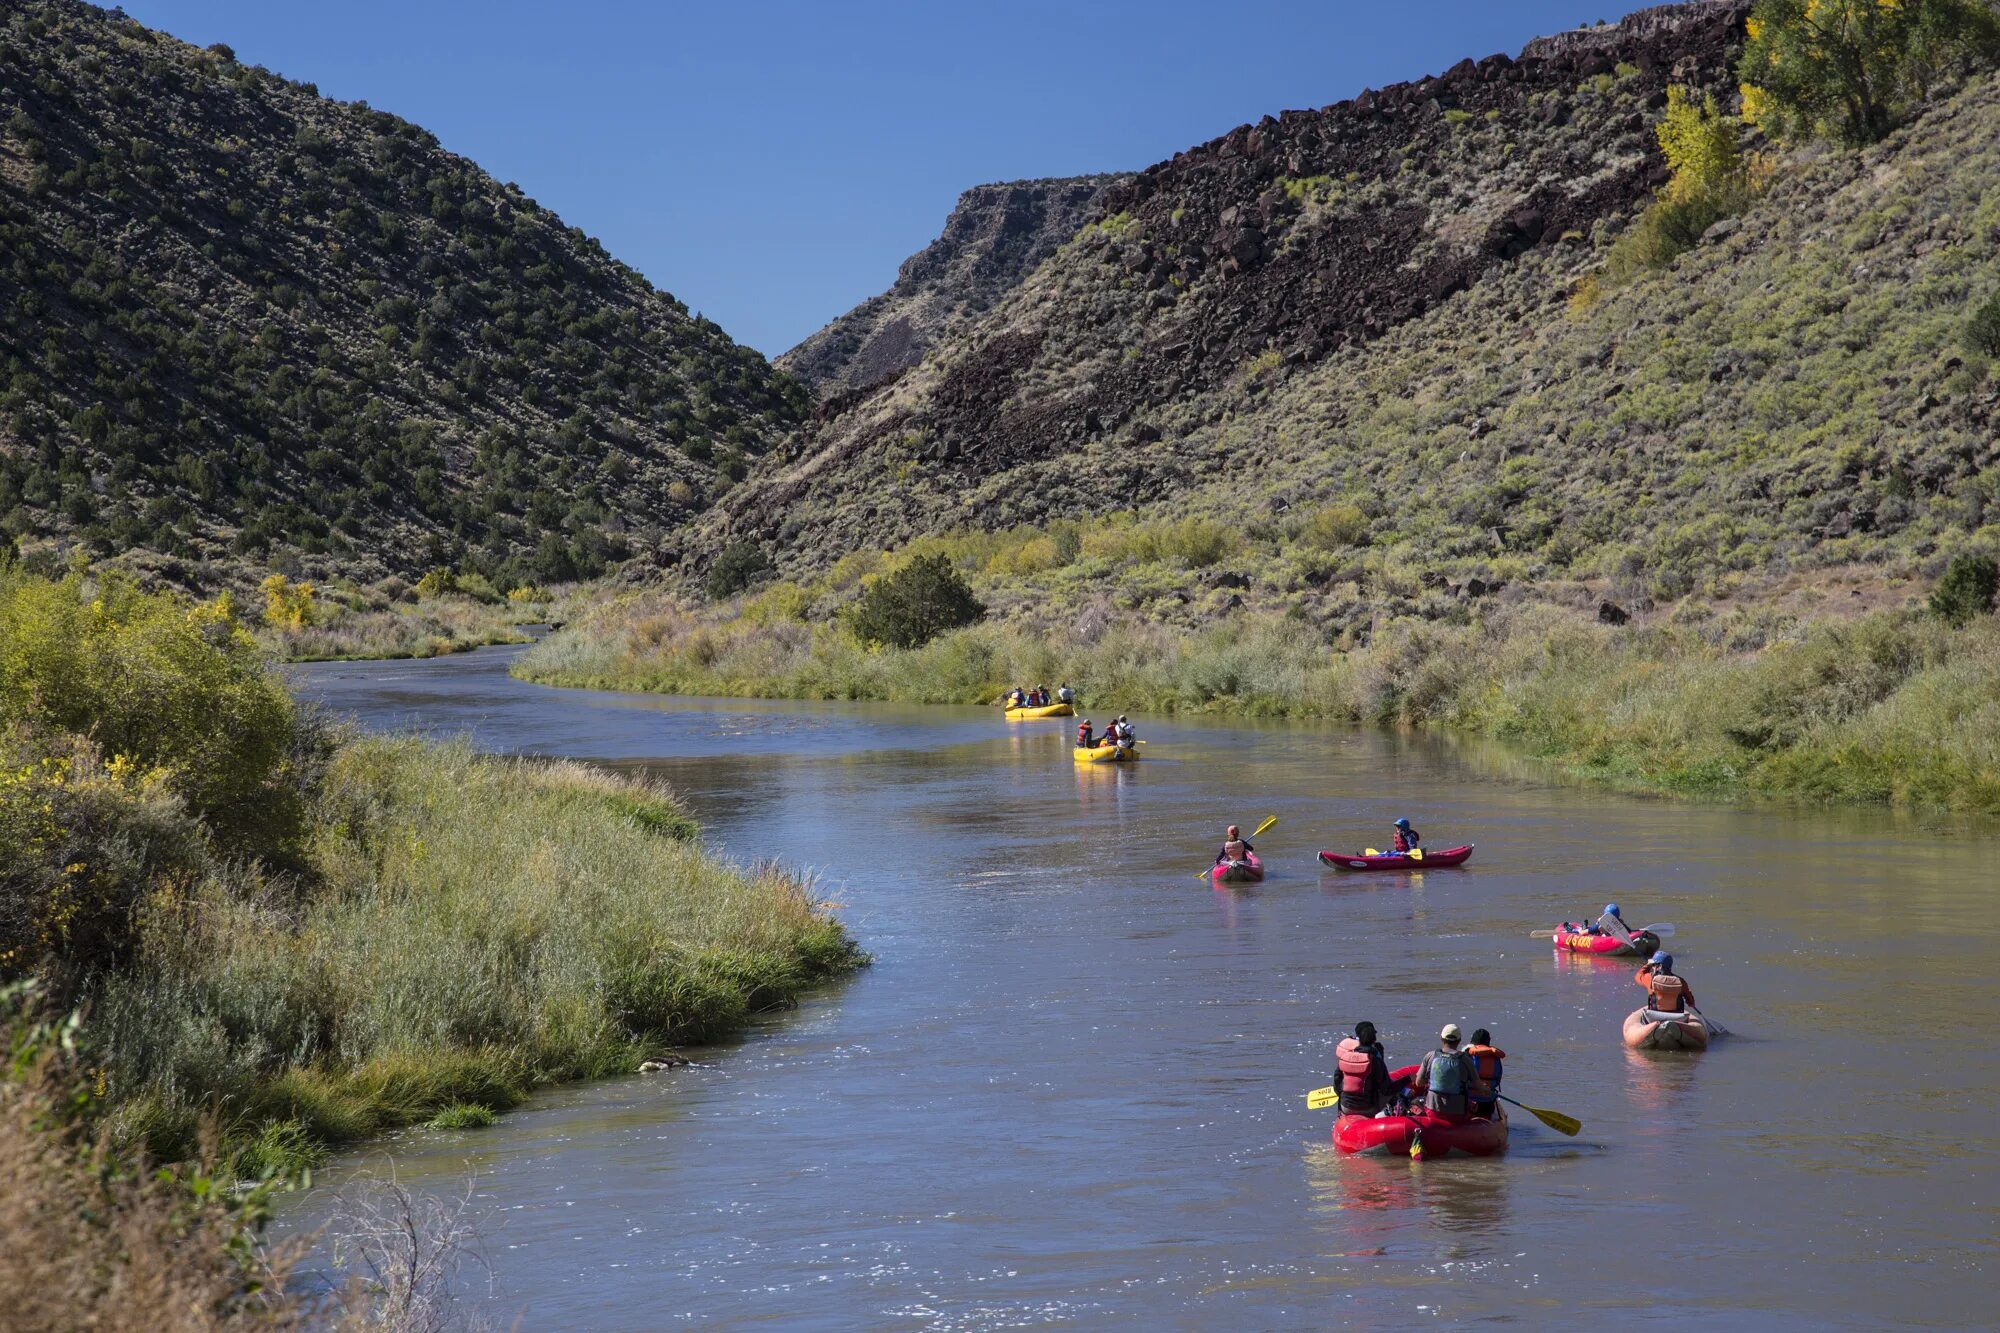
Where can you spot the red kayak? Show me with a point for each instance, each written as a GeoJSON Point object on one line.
{"type": "Point", "coordinates": [1239, 872]}
{"type": "Point", "coordinates": [1641, 942]}
{"type": "Point", "coordinates": [1450, 856]}
{"type": "Point", "coordinates": [1396, 1134]}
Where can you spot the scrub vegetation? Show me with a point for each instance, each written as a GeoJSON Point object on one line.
{"type": "Point", "coordinates": [302, 938]}
{"type": "Point", "coordinates": [1897, 705]}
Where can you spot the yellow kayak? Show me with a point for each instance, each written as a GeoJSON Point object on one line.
{"type": "Point", "coordinates": [1030, 714]}
{"type": "Point", "coordinates": [1108, 754]}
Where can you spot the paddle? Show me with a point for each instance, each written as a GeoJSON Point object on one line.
{"type": "Point", "coordinates": [1664, 930]}
{"type": "Point", "coordinates": [1556, 1120]}
{"type": "Point", "coordinates": [1713, 1026]}
{"type": "Point", "coordinates": [1209, 873]}
{"type": "Point", "coordinates": [1321, 1098]}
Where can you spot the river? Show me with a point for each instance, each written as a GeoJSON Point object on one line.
{"type": "Point", "coordinates": [1071, 1090]}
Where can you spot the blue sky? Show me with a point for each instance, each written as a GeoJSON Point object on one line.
{"type": "Point", "coordinates": [771, 163]}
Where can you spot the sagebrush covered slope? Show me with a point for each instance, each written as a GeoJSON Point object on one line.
{"type": "Point", "coordinates": [1368, 304]}
{"type": "Point", "coordinates": [238, 319]}
{"type": "Point", "coordinates": [994, 238]}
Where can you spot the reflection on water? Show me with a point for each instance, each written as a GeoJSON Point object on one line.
{"type": "Point", "coordinates": [1072, 1087]}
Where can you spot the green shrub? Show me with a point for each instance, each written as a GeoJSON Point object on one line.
{"type": "Point", "coordinates": [1335, 527]}
{"type": "Point", "coordinates": [914, 605]}
{"type": "Point", "coordinates": [1966, 589]}
{"type": "Point", "coordinates": [741, 564]}
{"type": "Point", "coordinates": [1982, 328]}
{"type": "Point", "coordinates": [1847, 70]}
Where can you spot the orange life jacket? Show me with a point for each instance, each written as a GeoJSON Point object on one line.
{"type": "Point", "coordinates": [1666, 993]}
{"type": "Point", "coordinates": [1486, 1059]}
{"type": "Point", "coordinates": [1354, 1065]}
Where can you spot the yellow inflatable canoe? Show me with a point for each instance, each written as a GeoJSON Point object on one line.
{"type": "Point", "coordinates": [1030, 714]}
{"type": "Point", "coordinates": [1108, 754]}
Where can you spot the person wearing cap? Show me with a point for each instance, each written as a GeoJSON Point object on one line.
{"type": "Point", "coordinates": [1064, 694]}
{"type": "Point", "coordinates": [1364, 1082]}
{"type": "Point", "coordinates": [1406, 838]}
{"type": "Point", "coordinates": [1448, 1079]}
{"type": "Point", "coordinates": [1122, 731]}
{"type": "Point", "coordinates": [1084, 738]}
{"type": "Point", "coordinates": [1666, 991]}
{"type": "Point", "coordinates": [1234, 848]}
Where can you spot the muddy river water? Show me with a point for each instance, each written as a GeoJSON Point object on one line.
{"type": "Point", "coordinates": [1070, 1091]}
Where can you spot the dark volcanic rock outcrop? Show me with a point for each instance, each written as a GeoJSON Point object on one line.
{"type": "Point", "coordinates": [994, 238]}
{"type": "Point", "coordinates": [1267, 249]}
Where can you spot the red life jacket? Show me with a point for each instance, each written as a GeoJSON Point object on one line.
{"type": "Point", "coordinates": [1354, 1066]}
{"type": "Point", "coordinates": [1083, 738]}
{"type": "Point", "coordinates": [1404, 841]}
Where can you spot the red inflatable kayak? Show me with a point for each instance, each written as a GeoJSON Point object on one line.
{"type": "Point", "coordinates": [1450, 856]}
{"type": "Point", "coordinates": [1248, 869]}
{"type": "Point", "coordinates": [1396, 1134]}
{"type": "Point", "coordinates": [1641, 943]}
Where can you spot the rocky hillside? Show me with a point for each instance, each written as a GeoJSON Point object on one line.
{"type": "Point", "coordinates": [1329, 305]}
{"type": "Point", "coordinates": [993, 239]}
{"type": "Point", "coordinates": [241, 323]}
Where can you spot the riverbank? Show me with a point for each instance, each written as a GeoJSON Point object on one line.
{"type": "Point", "coordinates": [1893, 706]}
{"type": "Point", "coordinates": [311, 937]}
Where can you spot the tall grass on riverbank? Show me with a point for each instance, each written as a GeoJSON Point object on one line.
{"type": "Point", "coordinates": [315, 937]}
{"type": "Point", "coordinates": [1895, 707]}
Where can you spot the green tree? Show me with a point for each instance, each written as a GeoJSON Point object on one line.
{"type": "Point", "coordinates": [1966, 590]}
{"type": "Point", "coordinates": [1847, 69]}
{"type": "Point", "coordinates": [909, 608]}
{"type": "Point", "coordinates": [741, 564]}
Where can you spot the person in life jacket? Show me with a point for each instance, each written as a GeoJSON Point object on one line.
{"type": "Point", "coordinates": [1666, 993]}
{"type": "Point", "coordinates": [1487, 1059]}
{"type": "Point", "coordinates": [1447, 1079]}
{"type": "Point", "coordinates": [1406, 838]}
{"type": "Point", "coordinates": [1122, 731]}
{"type": "Point", "coordinates": [1084, 738]}
{"type": "Point", "coordinates": [1610, 923]}
{"type": "Point", "coordinates": [1234, 848]}
{"type": "Point", "coordinates": [1017, 698]}
{"type": "Point", "coordinates": [1364, 1082]}
{"type": "Point", "coordinates": [1064, 694]}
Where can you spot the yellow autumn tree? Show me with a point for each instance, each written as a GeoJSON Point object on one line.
{"type": "Point", "coordinates": [289, 605]}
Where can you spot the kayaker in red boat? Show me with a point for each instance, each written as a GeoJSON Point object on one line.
{"type": "Point", "coordinates": [1610, 923]}
{"type": "Point", "coordinates": [1448, 1078]}
{"type": "Point", "coordinates": [1666, 992]}
{"type": "Point", "coordinates": [1084, 737]}
{"type": "Point", "coordinates": [1364, 1082]}
{"type": "Point", "coordinates": [1234, 848]}
{"type": "Point", "coordinates": [1489, 1059]}
{"type": "Point", "coordinates": [1406, 838]}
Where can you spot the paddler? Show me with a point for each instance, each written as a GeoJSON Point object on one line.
{"type": "Point", "coordinates": [1017, 698]}
{"type": "Point", "coordinates": [1666, 992]}
{"type": "Point", "coordinates": [1122, 732]}
{"type": "Point", "coordinates": [1448, 1079]}
{"type": "Point", "coordinates": [1234, 848]}
{"type": "Point", "coordinates": [1489, 1059]}
{"type": "Point", "coordinates": [1064, 694]}
{"type": "Point", "coordinates": [1364, 1082]}
{"type": "Point", "coordinates": [1406, 838]}
{"type": "Point", "coordinates": [1085, 739]}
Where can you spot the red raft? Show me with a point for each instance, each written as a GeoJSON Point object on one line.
{"type": "Point", "coordinates": [1396, 1135]}
{"type": "Point", "coordinates": [1250, 868]}
{"type": "Point", "coordinates": [1641, 943]}
{"type": "Point", "coordinates": [1450, 856]}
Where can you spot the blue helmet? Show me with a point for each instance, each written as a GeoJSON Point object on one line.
{"type": "Point", "coordinates": [1402, 823]}
{"type": "Point", "coordinates": [1663, 959]}
{"type": "Point", "coordinates": [1611, 909]}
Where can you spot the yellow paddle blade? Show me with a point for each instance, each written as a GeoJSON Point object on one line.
{"type": "Point", "coordinates": [1321, 1098]}
{"type": "Point", "coordinates": [1369, 851]}
{"type": "Point", "coordinates": [1263, 826]}
{"type": "Point", "coordinates": [1556, 1120]}
{"type": "Point", "coordinates": [1416, 853]}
